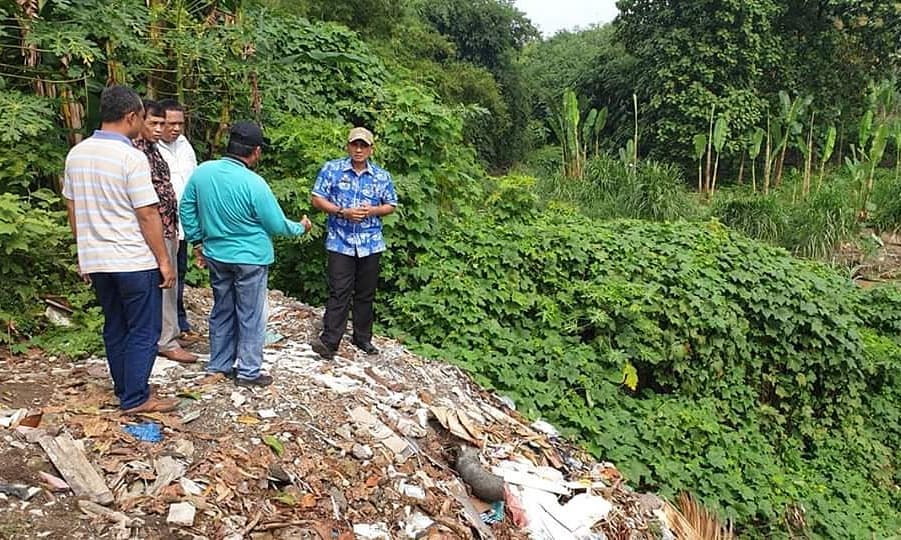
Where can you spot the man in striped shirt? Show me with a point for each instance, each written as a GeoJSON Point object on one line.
{"type": "Point", "coordinates": [113, 214]}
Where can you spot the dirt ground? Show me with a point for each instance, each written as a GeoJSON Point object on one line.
{"type": "Point", "coordinates": [293, 460]}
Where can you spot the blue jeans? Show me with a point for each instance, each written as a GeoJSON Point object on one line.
{"type": "Point", "coordinates": [238, 318]}
{"type": "Point", "coordinates": [181, 263]}
{"type": "Point", "coordinates": [132, 305]}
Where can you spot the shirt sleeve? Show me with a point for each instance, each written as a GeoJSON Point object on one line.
{"type": "Point", "coordinates": [389, 195]}
{"type": "Point", "coordinates": [138, 182]}
{"type": "Point", "coordinates": [324, 183]}
{"type": "Point", "coordinates": [67, 184]}
{"type": "Point", "coordinates": [270, 214]}
{"type": "Point", "coordinates": [187, 213]}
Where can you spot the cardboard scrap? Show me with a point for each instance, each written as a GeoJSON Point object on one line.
{"type": "Point", "coordinates": [382, 433]}
{"type": "Point", "coordinates": [459, 423]}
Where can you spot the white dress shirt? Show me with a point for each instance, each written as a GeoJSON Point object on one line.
{"type": "Point", "coordinates": [182, 161]}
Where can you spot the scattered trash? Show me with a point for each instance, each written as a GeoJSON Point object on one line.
{"type": "Point", "coordinates": [362, 452]}
{"type": "Point", "coordinates": [267, 414]}
{"type": "Point", "coordinates": [494, 515]}
{"type": "Point", "coordinates": [484, 485]}
{"type": "Point", "coordinates": [71, 461]}
{"type": "Point", "coordinates": [273, 337]}
{"type": "Point", "coordinates": [168, 470]}
{"type": "Point", "coordinates": [416, 525]}
{"type": "Point", "coordinates": [543, 427]}
{"type": "Point", "coordinates": [377, 531]}
{"type": "Point", "coordinates": [344, 449]}
{"type": "Point", "coordinates": [238, 399]}
{"type": "Point", "coordinates": [11, 418]}
{"type": "Point", "coordinates": [382, 433]}
{"type": "Point", "coordinates": [181, 514]}
{"type": "Point", "coordinates": [53, 482]}
{"type": "Point", "coordinates": [18, 490]}
{"type": "Point", "coordinates": [459, 423]}
{"type": "Point", "coordinates": [146, 432]}
{"type": "Point", "coordinates": [57, 317]}
{"type": "Point", "coordinates": [190, 487]}
{"type": "Point", "coordinates": [411, 490]}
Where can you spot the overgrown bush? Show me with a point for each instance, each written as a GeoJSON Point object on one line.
{"type": "Point", "coordinates": [755, 215]}
{"type": "Point", "coordinates": [886, 215]}
{"type": "Point", "coordinates": [611, 189]}
{"type": "Point", "coordinates": [37, 259]}
{"type": "Point", "coordinates": [818, 224]}
{"type": "Point", "coordinates": [755, 372]}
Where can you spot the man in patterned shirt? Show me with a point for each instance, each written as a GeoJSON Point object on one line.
{"type": "Point", "coordinates": [356, 194]}
{"type": "Point", "coordinates": [168, 206]}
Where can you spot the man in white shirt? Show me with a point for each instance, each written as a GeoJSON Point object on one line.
{"type": "Point", "coordinates": [182, 161]}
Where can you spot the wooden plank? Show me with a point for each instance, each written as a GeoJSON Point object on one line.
{"type": "Point", "coordinates": [73, 465]}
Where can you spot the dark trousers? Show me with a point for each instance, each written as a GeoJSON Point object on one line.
{"type": "Point", "coordinates": [350, 278]}
{"type": "Point", "coordinates": [181, 263]}
{"type": "Point", "coordinates": [132, 305]}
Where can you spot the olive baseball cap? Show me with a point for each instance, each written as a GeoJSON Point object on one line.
{"type": "Point", "coordinates": [360, 134]}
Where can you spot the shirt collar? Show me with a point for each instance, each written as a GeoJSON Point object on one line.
{"type": "Point", "coordinates": [234, 159]}
{"type": "Point", "coordinates": [112, 136]}
{"type": "Point", "coordinates": [349, 166]}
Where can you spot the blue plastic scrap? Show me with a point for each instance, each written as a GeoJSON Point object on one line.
{"type": "Point", "coordinates": [147, 432]}
{"type": "Point", "coordinates": [493, 515]}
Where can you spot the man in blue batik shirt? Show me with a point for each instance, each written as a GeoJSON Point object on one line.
{"type": "Point", "coordinates": [355, 194]}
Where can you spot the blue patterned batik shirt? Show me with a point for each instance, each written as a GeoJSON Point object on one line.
{"type": "Point", "coordinates": [340, 184]}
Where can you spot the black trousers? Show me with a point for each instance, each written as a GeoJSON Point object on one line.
{"type": "Point", "coordinates": [350, 278]}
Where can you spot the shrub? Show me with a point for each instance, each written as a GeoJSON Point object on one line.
{"type": "Point", "coordinates": [755, 372]}
{"type": "Point", "coordinates": [758, 216]}
{"type": "Point", "coordinates": [37, 259]}
{"type": "Point", "coordinates": [820, 223]}
{"type": "Point", "coordinates": [886, 200]}
{"type": "Point", "coordinates": [611, 189]}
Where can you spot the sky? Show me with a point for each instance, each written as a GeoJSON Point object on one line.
{"type": "Point", "coordinates": [553, 15]}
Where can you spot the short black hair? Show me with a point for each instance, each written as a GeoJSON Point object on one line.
{"type": "Point", "coordinates": [117, 101]}
{"type": "Point", "coordinates": [238, 149]}
{"type": "Point", "coordinates": [170, 104]}
{"type": "Point", "coordinates": [152, 108]}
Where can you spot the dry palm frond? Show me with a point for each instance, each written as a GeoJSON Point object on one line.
{"type": "Point", "coordinates": [692, 521]}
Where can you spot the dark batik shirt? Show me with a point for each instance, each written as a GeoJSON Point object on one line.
{"type": "Point", "coordinates": [162, 183]}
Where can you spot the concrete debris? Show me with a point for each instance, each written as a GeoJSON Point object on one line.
{"type": "Point", "coordinates": [362, 451]}
{"type": "Point", "coordinates": [181, 514]}
{"type": "Point", "coordinates": [393, 446]}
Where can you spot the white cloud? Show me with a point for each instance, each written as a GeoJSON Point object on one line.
{"type": "Point", "coordinates": [553, 15]}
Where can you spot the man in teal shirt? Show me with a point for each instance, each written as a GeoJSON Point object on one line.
{"type": "Point", "coordinates": [229, 215]}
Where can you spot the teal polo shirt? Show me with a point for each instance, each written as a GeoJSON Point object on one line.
{"type": "Point", "coordinates": [232, 211]}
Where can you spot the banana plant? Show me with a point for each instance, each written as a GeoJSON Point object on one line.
{"type": "Point", "coordinates": [720, 131]}
{"type": "Point", "coordinates": [791, 110]}
{"type": "Point", "coordinates": [569, 132]}
{"type": "Point", "coordinates": [896, 137]}
{"type": "Point", "coordinates": [874, 156]}
{"type": "Point", "coordinates": [828, 149]}
{"type": "Point", "coordinates": [700, 146]}
{"type": "Point", "coordinates": [576, 134]}
{"type": "Point", "coordinates": [754, 152]}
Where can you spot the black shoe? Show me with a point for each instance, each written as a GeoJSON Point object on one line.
{"type": "Point", "coordinates": [322, 349]}
{"type": "Point", "coordinates": [367, 348]}
{"type": "Point", "coordinates": [262, 380]}
{"type": "Point", "coordinates": [230, 374]}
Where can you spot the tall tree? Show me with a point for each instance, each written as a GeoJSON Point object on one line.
{"type": "Point", "coordinates": [693, 55]}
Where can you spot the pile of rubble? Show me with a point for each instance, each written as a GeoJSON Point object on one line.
{"type": "Point", "coordinates": [392, 446]}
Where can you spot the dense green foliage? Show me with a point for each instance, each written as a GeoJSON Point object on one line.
{"type": "Point", "coordinates": [755, 372]}
{"type": "Point", "coordinates": [766, 385]}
